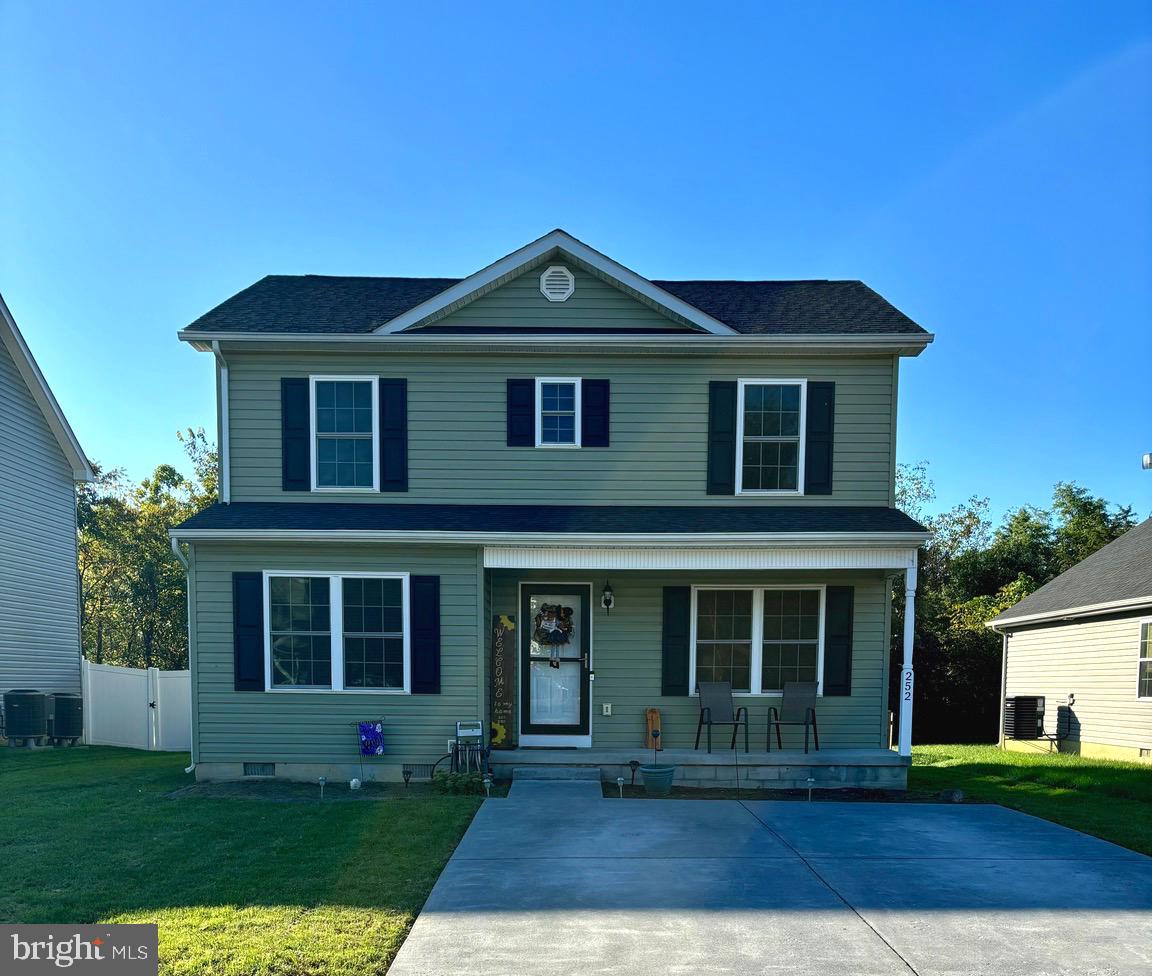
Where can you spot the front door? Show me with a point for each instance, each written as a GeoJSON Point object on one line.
{"type": "Point", "coordinates": [555, 648]}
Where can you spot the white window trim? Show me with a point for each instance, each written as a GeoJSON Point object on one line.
{"type": "Point", "coordinates": [740, 386]}
{"type": "Point", "coordinates": [314, 442]}
{"type": "Point", "coordinates": [1140, 625]}
{"type": "Point", "coordinates": [576, 384]}
{"type": "Point", "coordinates": [755, 678]}
{"type": "Point", "coordinates": [336, 632]}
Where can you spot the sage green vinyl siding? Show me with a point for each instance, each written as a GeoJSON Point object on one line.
{"type": "Point", "coordinates": [315, 727]}
{"type": "Point", "coordinates": [626, 657]}
{"type": "Point", "coordinates": [594, 304]}
{"type": "Point", "coordinates": [1096, 661]}
{"type": "Point", "coordinates": [658, 454]}
{"type": "Point", "coordinates": [39, 615]}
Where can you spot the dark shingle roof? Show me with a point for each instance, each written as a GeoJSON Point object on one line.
{"type": "Point", "coordinates": [344, 516]}
{"type": "Point", "coordinates": [322, 304]}
{"type": "Point", "coordinates": [1122, 570]}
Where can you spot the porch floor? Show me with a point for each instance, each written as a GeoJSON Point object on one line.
{"type": "Point", "coordinates": [781, 769]}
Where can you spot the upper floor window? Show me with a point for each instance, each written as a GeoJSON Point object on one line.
{"type": "Point", "coordinates": [1144, 674]}
{"type": "Point", "coordinates": [557, 412]}
{"type": "Point", "coordinates": [344, 432]}
{"type": "Point", "coordinates": [770, 436]}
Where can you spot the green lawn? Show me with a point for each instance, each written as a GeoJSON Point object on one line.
{"type": "Point", "coordinates": [238, 886]}
{"type": "Point", "coordinates": [1112, 800]}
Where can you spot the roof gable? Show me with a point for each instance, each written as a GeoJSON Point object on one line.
{"type": "Point", "coordinates": [42, 395]}
{"type": "Point", "coordinates": [555, 247]}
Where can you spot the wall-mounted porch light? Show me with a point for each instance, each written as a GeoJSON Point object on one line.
{"type": "Point", "coordinates": [607, 599]}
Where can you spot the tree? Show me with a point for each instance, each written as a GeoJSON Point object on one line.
{"type": "Point", "coordinates": [134, 609]}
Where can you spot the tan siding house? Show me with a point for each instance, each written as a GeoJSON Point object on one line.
{"type": "Point", "coordinates": [1084, 643]}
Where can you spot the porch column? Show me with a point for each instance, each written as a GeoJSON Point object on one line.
{"type": "Point", "coordinates": [907, 675]}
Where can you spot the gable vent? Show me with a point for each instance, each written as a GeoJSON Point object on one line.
{"type": "Point", "coordinates": [557, 283]}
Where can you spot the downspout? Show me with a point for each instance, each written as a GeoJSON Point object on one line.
{"type": "Point", "coordinates": [179, 554]}
{"type": "Point", "coordinates": [907, 674]}
{"type": "Point", "coordinates": [222, 422]}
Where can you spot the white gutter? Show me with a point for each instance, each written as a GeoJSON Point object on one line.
{"type": "Point", "coordinates": [1091, 610]}
{"type": "Point", "coordinates": [913, 343]}
{"type": "Point", "coordinates": [223, 440]}
{"type": "Point", "coordinates": [562, 540]}
{"type": "Point", "coordinates": [188, 605]}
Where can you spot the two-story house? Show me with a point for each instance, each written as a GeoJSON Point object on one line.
{"type": "Point", "coordinates": [552, 496]}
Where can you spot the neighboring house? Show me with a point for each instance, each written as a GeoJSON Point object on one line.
{"type": "Point", "coordinates": [40, 463]}
{"type": "Point", "coordinates": [656, 482]}
{"type": "Point", "coordinates": [1083, 642]}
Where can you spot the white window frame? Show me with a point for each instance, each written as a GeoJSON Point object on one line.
{"type": "Point", "coordinates": [741, 385]}
{"type": "Point", "coordinates": [314, 438]}
{"type": "Point", "coordinates": [757, 660]}
{"type": "Point", "coordinates": [1140, 625]}
{"type": "Point", "coordinates": [336, 632]}
{"type": "Point", "coordinates": [577, 383]}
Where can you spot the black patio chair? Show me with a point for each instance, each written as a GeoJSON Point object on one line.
{"type": "Point", "coordinates": [798, 707]}
{"type": "Point", "coordinates": [718, 708]}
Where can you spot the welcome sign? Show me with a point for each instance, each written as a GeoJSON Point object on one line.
{"type": "Point", "coordinates": [100, 950]}
{"type": "Point", "coordinates": [503, 671]}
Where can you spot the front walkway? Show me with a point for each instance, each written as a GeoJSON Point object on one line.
{"type": "Point", "coordinates": [554, 881]}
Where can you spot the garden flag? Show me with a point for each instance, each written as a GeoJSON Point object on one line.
{"type": "Point", "coordinates": [371, 738]}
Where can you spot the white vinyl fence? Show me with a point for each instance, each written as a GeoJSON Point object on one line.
{"type": "Point", "coordinates": [139, 708]}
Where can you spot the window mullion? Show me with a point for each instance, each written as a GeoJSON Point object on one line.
{"type": "Point", "coordinates": [754, 680]}
{"type": "Point", "coordinates": [336, 624]}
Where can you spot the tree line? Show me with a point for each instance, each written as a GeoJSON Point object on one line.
{"type": "Point", "coordinates": [971, 570]}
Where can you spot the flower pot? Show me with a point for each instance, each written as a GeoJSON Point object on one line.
{"type": "Point", "coordinates": [658, 779]}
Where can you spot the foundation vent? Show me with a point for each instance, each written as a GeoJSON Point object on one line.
{"type": "Point", "coordinates": [259, 769]}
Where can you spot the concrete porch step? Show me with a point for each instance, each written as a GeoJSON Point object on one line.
{"type": "Point", "coordinates": [569, 773]}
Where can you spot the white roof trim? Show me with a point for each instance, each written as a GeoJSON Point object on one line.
{"type": "Point", "coordinates": [675, 540]}
{"type": "Point", "coordinates": [511, 263]}
{"type": "Point", "coordinates": [764, 557]}
{"type": "Point", "coordinates": [1091, 610]}
{"type": "Point", "coordinates": [42, 394]}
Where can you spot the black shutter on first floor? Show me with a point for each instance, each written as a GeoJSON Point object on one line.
{"type": "Point", "coordinates": [295, 447]}
{"type": "Point", "coordinates": [838, 608]}
{"type": "Point", "coordinates": [675, 636]}
{"type": "Point", "coordinates": [425, 641]}
{"type": "Point", "coordinates": [595, 397]}
{"type": "Point", "coordinates": [393, 434]}
{"type": "Point", "coordinates": [521, 407]}
{"type": "Point", "coordinates": [722, 472]}
{"type": "Point", "coordinates": [819, 428]}
{"type": "Point", "coordinates": [248, 631]}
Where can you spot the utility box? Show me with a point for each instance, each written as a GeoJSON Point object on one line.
{"type": "Point", "coordinates": [1024, 717]}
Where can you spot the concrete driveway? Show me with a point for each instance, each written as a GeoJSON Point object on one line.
{"type": "Point", "coordinates": [555, 880]}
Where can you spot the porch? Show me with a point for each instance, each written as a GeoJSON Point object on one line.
{"type": "Point", "coordinates": [878, 769]}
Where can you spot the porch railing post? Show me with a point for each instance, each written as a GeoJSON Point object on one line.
{"type": "Point", "coordinates": [907, 673]}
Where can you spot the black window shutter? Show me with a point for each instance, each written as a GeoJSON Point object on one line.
{"type": "Point", "coordinates": [295, 449]}
{"type": "Point", "coordinates": [425, 641]}
{"type": "Point", "coordinates": [521, 413]}
{"type": "Point", "coordinates": [675, 635]}
{"type": "Point", "coordinates": [595, 398]}
{"type": "Point", "coordinates": [838, 603]}
{"type": "Point", "coordinates": [722, 437]}
{"type": "Point", "coordinates": [248, 631]}
{"type": "Point", "coordinates": [819, 428]}
{"type": "Point", "coordinates": [393, 434]}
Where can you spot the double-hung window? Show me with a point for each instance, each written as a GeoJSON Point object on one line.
{"type": "Point", "coordinates": [345, 632]}
{"type": "Point", "coordinates": [1144, 674]}
{"type": "Point", "coordinates": [557, 412]}
{"type": "Point", "coordinates": [757, 638]}
{"type": "Point", "coordinates": [345, 433]}
{"type": "Point", "coordinates": [770, 436]}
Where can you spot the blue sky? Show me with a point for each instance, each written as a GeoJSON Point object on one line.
{"type": "Point", "coordinates": [985, 166]}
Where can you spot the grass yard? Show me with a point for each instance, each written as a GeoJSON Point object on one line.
{"type": "Point", "coordinates": [1112, 800]}
{"type": "Point", "coordinates": [238, 886]}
